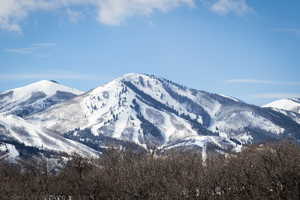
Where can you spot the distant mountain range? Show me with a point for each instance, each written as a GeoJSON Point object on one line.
{"type": "Point", "coordinates": [137, 111]}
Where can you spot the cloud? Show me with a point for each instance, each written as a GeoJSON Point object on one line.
{"type": "Point", "coordinates": [21, 50]}
{"type": "Point", "coordinates": [12, 11]}
{"type": "Point", "coordinates": [267, 82]}
{"type": "Point", "coordinates": [224, 7]}
{"type": "Point", "coordinates": [73, 15]}
{"type": "Point", "coordinates": [45, 44]}
{"type": "Point", "coordinates": [276, 95]}
{"type": "Point", "coordinates": [48, 76]}
{"type": "Point", "coordinates": [111, 12]}
{"type": "Point", "coordinates": [289, 30]}
{"type": "Point", "coordinates": [29, 50]}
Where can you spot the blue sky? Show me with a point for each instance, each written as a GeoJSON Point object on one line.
{"type": "Point", "coordinates": [242, 48]}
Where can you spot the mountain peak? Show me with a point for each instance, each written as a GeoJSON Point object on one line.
{"type": "Point", "coordinates": [39, 84]}
{"type": "Point", "coordinates": [129, 77]}
{"type": "Point", "coordinates": [132, 75]}
{"type": "Point", "coordinates": [54, 81]}
{"type": "Point", "coordinates": [143, 78]}
{"type": "Point", "coordinates": [47, 86]}
{"type": "Point", "coordinates": [289, 104]}
{"type": "Point", "coordinates": [135, 76]}
{"type": "Point", "coordinates": [35, 97]}
{"type": "Point", "coordinates": [148, 111]}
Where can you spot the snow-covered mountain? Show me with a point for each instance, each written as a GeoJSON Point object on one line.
{"type": "Point", "coordinates": [18, 136]}
{"type": "Point", "coordinates": [152, 112]}
{"type": "Point", "coordinates": [35, 97]}
{"type": "Point", "coordinates": [291, 104]}
{"type": "Point", "coordinates": [137, 111]}
{"type": "Point", "coordinates": [289, 107]}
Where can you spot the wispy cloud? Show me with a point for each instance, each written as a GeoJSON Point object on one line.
{"type": "Point", "coordinates": [289, 30]}
{"type": "Point", "coordinates": [45, 44]}
{"type": "Point", "coordinates": [224, 7]}
{"type": "Point", "coordinates": [29, 50]}
{"type": "Point", "coordinates": [276, 95]}
{"type": "Point", "coordinates": [49, 76]}
{"type": "Point", "coordinates": [73, 15]}
{"type": "Point", "coordinates": [256, 81]}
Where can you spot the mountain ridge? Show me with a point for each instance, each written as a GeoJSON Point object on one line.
{"type": "Point", "coordinates": [289, 104]}
{"type": "Point", "coordinates": [147, 112]}
{"type": "Point", "coordinates": [35, 97]}
{"type": "Point", "coordinates": [125, 106]}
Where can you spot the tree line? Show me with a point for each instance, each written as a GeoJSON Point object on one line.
{"type": "Point", "coordinates": [270, 171]}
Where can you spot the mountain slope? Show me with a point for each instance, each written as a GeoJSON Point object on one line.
{"type": "Point", "coordinates": [292, 104]}
{"type": "Point", "coordinates": [16, 132]}
{"type": "Point", "coordinates": [153, 112]}
{"type": "Point", "coordinates": [288, 107]}
{"type": "Point", "coordinates": [35, 97]}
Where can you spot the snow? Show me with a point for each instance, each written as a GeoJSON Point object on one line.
{"type": "Point", "coordinates": [203, 141]}
{"type": "Point", "coordinates": [230, 97]}
{"type": "Point", "coordinates": [47, 87]}
{"type": "Point", "coordinates": [109, 107]}
{"type": "Point", "coordinates": [30, 135]}
{"type": "Point", "coordinates": [11, 149]}
{"type": "Point", "coordinates": [243, 119]}
{"type": "Point", "coordinates": [293, 115]}
{"type": "Point", "coordinates": [24, 96]}
{"type": "Point", "coordinates": [286, 104]}
{"type": "Point", "coordinates": [170, 131]}
{"type": "Point", "coordinates": [244, 138]}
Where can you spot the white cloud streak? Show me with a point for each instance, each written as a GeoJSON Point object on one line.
{"type": "Point", "coordinates": [276, 95]}
{"type": "Point", "coordinates": [266, 82]}
{"type": "Point", "coordinates": [29, 50]}
{"type": "Point", "coordinates": [289, 30]}
{"type": "Point", "coordinates": [224, 7]}
{"type": "Point", "coordinates": [45, 44]}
